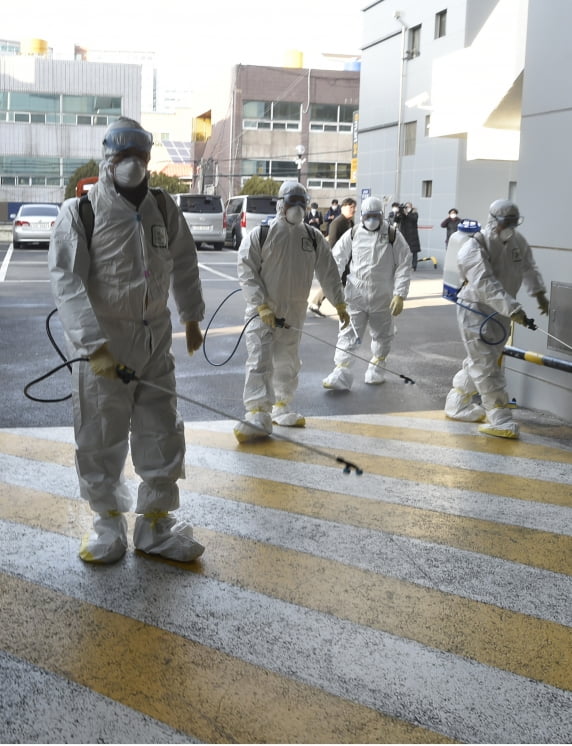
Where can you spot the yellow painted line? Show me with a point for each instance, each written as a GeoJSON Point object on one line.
{"type": "Point", "coordinates": [422, 472]}
{"type": "Point", "coordinates": [37, 449]}
{"type": "Point", "coordinates": [531, 547]}
{"type": "Point", "coordinates": [477, 443]}
{"type": "Point", "coordinates": [501, 638]}
{"type": "Point", "coordinates": [202, 692]}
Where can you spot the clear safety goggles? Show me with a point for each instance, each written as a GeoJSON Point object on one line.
{"type": "Point", "coordinates": [509, 221]}
{"type": "Point", "coordinates": [371, 216]}
{"type": "Point", "coordinates": [295, 199]}
{"type": "Point", "coordinates": [123, 139]}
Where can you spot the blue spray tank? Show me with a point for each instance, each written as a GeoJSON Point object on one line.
{"type": "Point", "coordinates": [451, 278]}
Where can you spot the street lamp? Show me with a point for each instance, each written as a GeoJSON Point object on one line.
{"type": "Point", "coordinates": [299, 161]}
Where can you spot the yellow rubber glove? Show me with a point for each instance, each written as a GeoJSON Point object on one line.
{"type": "Point", "coordinates": [103, 363]}
{"type": "Point", "coordinates": [542, 302]}
{"type": "Point", "coordinates": [267, 316]}
{"type": "Point", "coordinates": [343, 315]}
{"type": "Point", "coordinates": [519, 317]}
{"type": "Point", "coordinates": [396, 305]}
{"type": "Point", "coordinates": [194, 336]}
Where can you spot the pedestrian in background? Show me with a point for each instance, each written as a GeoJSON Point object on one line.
{"type": "Point", "coordinates": [314, 217]}
{"type": "Point", "coordinates": [407, 222]}
{"type": "Point", "coordinates": [332, 213]}
{"type": "Point", "coordinates": [451, 224]}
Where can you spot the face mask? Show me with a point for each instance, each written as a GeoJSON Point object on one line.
{"type": "Point", "coordinates": [129, 172]}
{"type": "Point", "coordinates": [295, 214]}
{"type": "Point", "coordinates": [506, 234]}
{"type": "Point", "coordinates": [371, 224]}
{"type": "Point", "coordinates": [314, 212]}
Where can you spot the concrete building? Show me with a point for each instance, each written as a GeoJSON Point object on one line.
{"type": "Point", "coordinates": [287, 123]}
{"type": "Point", "coordinates": [464, 104]}
{"type": "Point", "coordinates": [53, 114]}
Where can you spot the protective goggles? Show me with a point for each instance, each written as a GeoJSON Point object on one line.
{"type": "Point", "coordinates": [509, 221]}
{"type": "Point", "coordinates": [123, 139]}
{"type": "Point", "coordinates": [295, 199]}
{"type": "Point", "coordinates": [371, 216]}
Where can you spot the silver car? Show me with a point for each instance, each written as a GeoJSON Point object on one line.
{"type": "Point", "coordinates": [204, 214]}
{"type": "Point", "coordinates": [33, 224]}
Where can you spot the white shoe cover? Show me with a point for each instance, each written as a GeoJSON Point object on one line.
{"type": "Point", "coordinates": [282, 416]}
{"type": "Point", "coordinates": [375, 373]}
{"type": "Point", "coordinates": [261, 427]}
{"type": "Point", "coordinates": [107, 542]}
{"type": "Point", "coordinates": [161, 534]}
{"type": "Point", "coordinates": [460, 406]}
{"type": "Point", "coordinates": [506, 430]}
{"type": "Point", "coordinates": [340, 379]}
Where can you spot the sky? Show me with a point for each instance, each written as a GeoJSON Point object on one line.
{"type": "Point", "coordinates": [197, 41]}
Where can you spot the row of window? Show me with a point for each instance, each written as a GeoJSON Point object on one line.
{"type": "Point", "coordinates": [319, 175]}
{"type": "Point", "coordinates": [414, 34]}
{"type": "Point", "coordinates": [58, 108]}
{"type": "Point", "coordinates": [286, 115]}
{"type": "Point", "coordinates": [17, 171]}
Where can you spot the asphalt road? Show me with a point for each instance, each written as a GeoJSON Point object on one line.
{"type": "Point", "coordinates": [427, 348]}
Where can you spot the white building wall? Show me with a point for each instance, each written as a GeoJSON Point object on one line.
{"type": "Point", "coordinates": [543, 196]}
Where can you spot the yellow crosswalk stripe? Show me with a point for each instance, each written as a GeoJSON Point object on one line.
{"type": "Point", "coordinates": [498, 637]}
{"type": "Point", "coordinates": [196, 689]}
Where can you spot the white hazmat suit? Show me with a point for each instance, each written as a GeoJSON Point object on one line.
{"type": "Point", "coordinates": [376, 286]}
{"type": "Point", "coordinates": [115, 292]}
{"type": "Point", "coordinates": [493, 274]}
{"type": "Point", "coordinates": [276, 280]}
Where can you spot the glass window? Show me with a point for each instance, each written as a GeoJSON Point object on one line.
{"type": "Point", "coordinates": [34, 102]}
{"type": "Point", "coordinates": [440, 24]}
{"type": "Point", "coordinates": [427, 125]}
{"type": "Point", "coordinates": [286, 111]}
{"type": "Point", "coordinates": [427, 189]}
{"type": "Point", "coordinates": [284, 169]}
{"type": "Point", "coordinates": [324, 112]}
{"type": "Point", "coordinates": [409, 138]}
{"type": "Point", "coordinates": [256, 110]}
{"type": "Point", "coordinates": [347, 113]}
{"type": "Point", "coordinates": [321, 170]}
{"type": "Point", "coordinates": [414, 49]}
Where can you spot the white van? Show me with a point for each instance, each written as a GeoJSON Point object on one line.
{"type": "Point", "coordinates": [204, 214]}
{"type": "Point", "coordinates": [245, 212]}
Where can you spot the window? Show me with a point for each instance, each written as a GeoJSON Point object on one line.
{"type": "Point", "coordinates": [270, 169]}
{"type": "Point", "coordinates": [46, 108]}
{"type": "Point", "coordinates": [427, 125]}
{"type": "Point", "coordinates": [331, 118]}
{"type": "Point", "coordinates": [440, 24]}
{"type": "Point", "coordinates": [329, 176]}
{"type": "Point", "coordinates": [427, 189]}
{"type": "Point", "coordinates": [414, 49]}
{"type": "Point", "coordinates": [409, 138]}
{"type": "Point", "coordinates": [277, 115]}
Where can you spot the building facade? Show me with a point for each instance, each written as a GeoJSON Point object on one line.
{"type": "Point", "coordinates": [286, 123]}
{"type": "Point", "coordinates": [465, 102]}
{"type": "Point", "coordinates": [53, 115]}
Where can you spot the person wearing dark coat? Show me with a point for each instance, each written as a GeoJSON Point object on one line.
{"type": "Point", "coordinates": [314, 216]}
{"type": "Point", "coordinates": [334, 211]}
{"type": "Point", "coordinates": [408, 228]}
{"type": "Point", "coordinates": [451, 223]}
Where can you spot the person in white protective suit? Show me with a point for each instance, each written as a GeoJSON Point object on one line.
{"type": "Point", "coordinates": [112, 299]}
{"type": "Point", "coordinates": [276, 280]}
{"type": "Point", "coordinates": [492, 275]}
{"type": "Point", "coordinates": [376, 286]}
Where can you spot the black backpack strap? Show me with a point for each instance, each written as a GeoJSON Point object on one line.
{"type": "Point", "coordinates": [312, 235]}
{"type": "Point", "coordinates": [391, 233]}
{"type": "Point", "coordinates": [87, 217]}
{"type": "Point", "coordinates": [263, 233]}
{"type": "Point", "coordinates": [159, 195]}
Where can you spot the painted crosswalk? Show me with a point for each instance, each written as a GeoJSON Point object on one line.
{"type": "Point", "coordinates": [426, 601]}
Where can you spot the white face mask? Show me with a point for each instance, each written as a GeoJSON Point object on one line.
{"type": "Point", "coordinates": [295, 214]}
{"type": "Point", "coordinates": [506, 234]}
{"type": "Point", "coordinates": [129, 172]}
{"type": "Point", "coordinates": [371, 224]}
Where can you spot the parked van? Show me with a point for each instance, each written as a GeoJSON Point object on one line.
{"type": "Point", "coordinates": [245, 212]}
{"type": "Point", "coordinates": [204, 214]}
